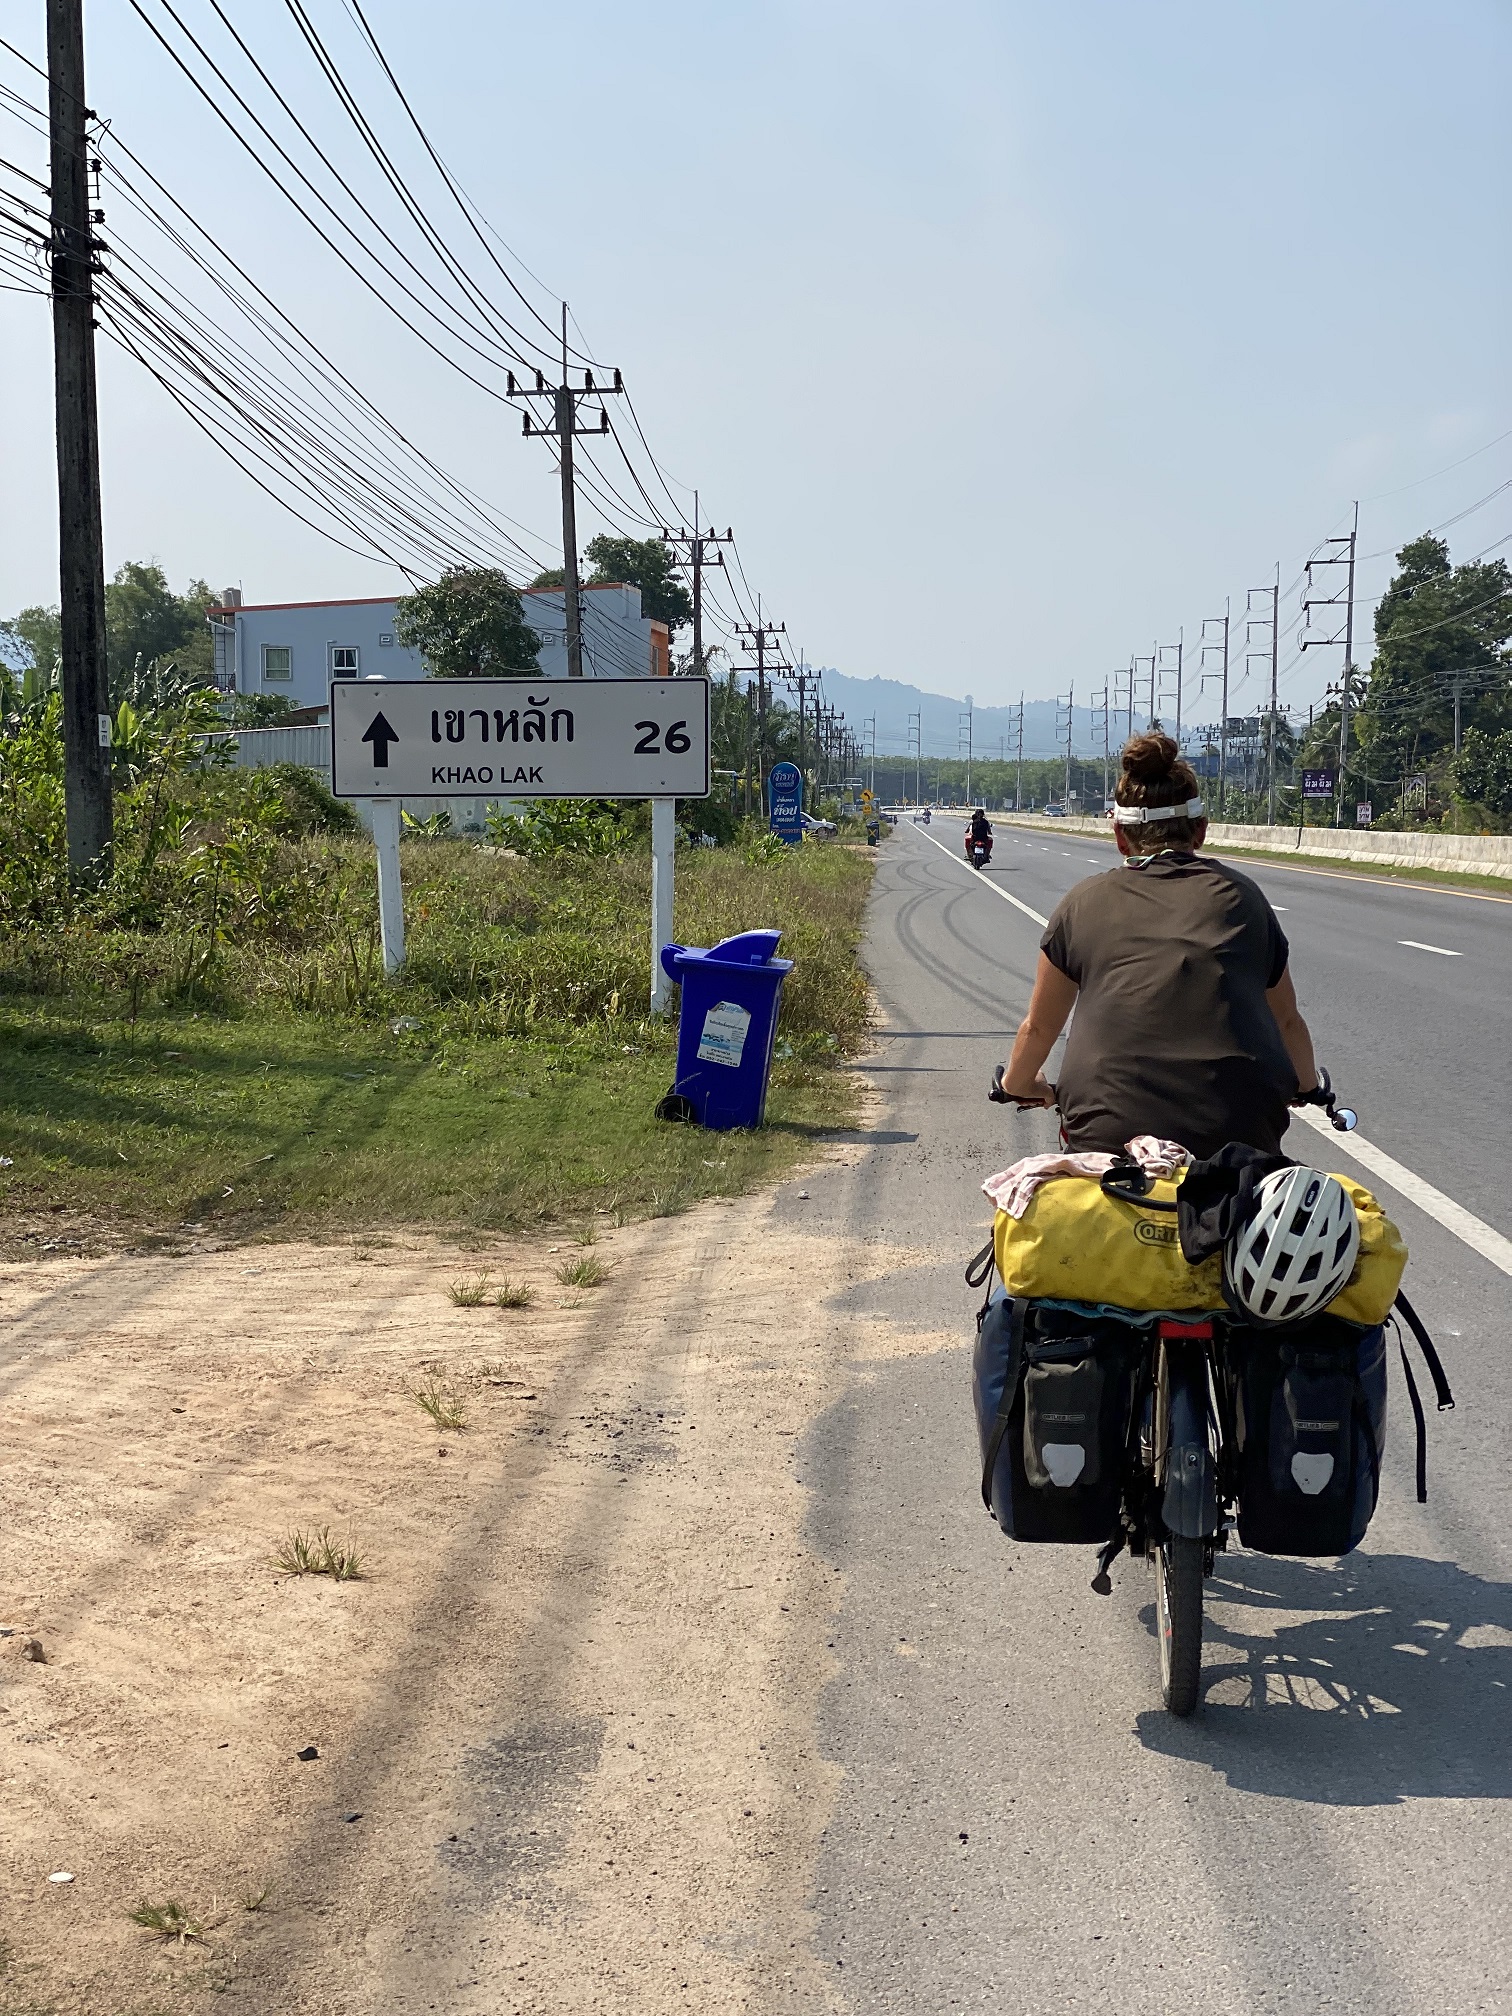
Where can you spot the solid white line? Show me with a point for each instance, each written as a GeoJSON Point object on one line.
{"type": "Point", "coordinates": [1474, 1232]}
{"type": "Point", "coordinates": [1442, 950]}
{"type": "Point", "coordinates": [1479, 1236]}
{"type": "Point", "coordinates": [966, 867]}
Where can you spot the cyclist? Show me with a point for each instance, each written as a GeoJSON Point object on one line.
{"type": "Point", "coordinates": [1187, 1024]}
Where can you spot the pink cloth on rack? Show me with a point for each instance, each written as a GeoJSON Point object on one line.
{"type": "Point", "coordinates": [1012, 1190]}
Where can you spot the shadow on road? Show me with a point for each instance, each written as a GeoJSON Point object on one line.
{"type": "Point", "coordinates": [1360, 1682]}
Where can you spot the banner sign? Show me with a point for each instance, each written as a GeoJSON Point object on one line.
{"type": "Point", "coordinates": [785, 802]}
{"type": "Point", "coordinates": [520, 738]}
{"type": "Point", "coordinates": [1317, 783]}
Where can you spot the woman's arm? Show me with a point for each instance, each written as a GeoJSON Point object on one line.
{"type": "Point", "coordinates": [1050, 1007]}
{"type": "Point", "coordinates": [1282, 1002]}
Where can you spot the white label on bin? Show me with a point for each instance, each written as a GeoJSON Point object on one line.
{"type": "Point", "coordinates": [724, 1034]}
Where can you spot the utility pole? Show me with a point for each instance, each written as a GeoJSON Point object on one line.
{"type": "Point", "coordinates": [1134, 665]}
{"type": "Point", "coordinates": [916, 737]}
{"type": "Point", "coordinates": [1262, 622]}
{"type": "Point", "coordinates": [1207, 649]}
{"type": "Point", "coordinates": [965, 728]}
{"type": "Point", "coordinates": [81, 544]}
{"type": "Point", "coordinates": [1100, 706]}
{"type": "Point", "coordinates": [871, 723]}
{"type": "Point", "coordinates": [564, 428]}
{"type": "Point", "coordinates": [1175, 671]}
{"type": "Point", "coordinates": [759, 637]}
{"type": "Point", "coordinates": [1338, 552]}
{"type": "Point", "coordinates": [1018, 784]}
{"type": "Point", "coordinates": [696, 542]}
{"type": "Point", "coordinates": [1070, 717]}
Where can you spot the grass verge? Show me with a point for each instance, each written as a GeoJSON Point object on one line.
{"type": "Point", "coordinates": [505, 1085]}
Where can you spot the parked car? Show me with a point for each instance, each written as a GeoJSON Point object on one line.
{"type": "Point", "coordinates": [820, 828]}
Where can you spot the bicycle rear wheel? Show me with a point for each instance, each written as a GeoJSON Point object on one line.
{"type": "Point", "coordinates": [1178, 1621]}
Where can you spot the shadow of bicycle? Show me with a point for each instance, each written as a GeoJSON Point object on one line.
{"type": "Point", "coordinates": [1360, 1682]}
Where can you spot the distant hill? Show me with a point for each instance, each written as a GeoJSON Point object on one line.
{"type": "Point", "coordinates": [943, 727]}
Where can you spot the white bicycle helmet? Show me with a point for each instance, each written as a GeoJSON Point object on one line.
{"type": "Point", "coordinates": [1295, 1251]}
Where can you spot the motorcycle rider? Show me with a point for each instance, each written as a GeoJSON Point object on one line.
{"type": "Point", "coordinates": [1187, 1024]}
{"type": "Point", "coordinates": [979, 832]}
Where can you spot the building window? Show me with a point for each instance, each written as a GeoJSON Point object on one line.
{"type": "Point", "coordinates": [344, 661]}
{"type": "Point", "coordinates": [277, 662]}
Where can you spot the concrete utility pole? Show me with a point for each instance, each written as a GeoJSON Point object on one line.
{"type": "Point", "coordinates": [696, 542]}
{"type": "Point", "coordinates": [871, 723]}
{"type": "Point", "coordinates": [1070, 718]}
{"type": "Point", "coordinates": [81, 545]}
{"type": "Point", "coordinates": [1175, 671]}
{"type": "Point", "coordinates": [564, 428]}
{"type": "Point", "coordinates": [760, 637]}
{"type": "Point", "coordinates": [916, 737]}
{"type": "Point", "coordinates": [1018, 784]}
{"type": "Point", "coordinates": [966, 727]}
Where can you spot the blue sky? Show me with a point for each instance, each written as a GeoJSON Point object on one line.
{"type": "Point", "coordinates": [1009, 338]}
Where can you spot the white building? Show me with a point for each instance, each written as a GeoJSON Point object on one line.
{"type": "Point", "coordinates": [297, 648]}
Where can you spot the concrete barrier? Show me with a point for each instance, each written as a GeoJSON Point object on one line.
{"type": "Point", "coordinates": [1466, 853]}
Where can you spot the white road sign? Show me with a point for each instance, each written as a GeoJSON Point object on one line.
{"type": "Point", "coordinates": [520, 738]}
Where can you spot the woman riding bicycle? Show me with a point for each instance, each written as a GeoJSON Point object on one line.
{"type": "Point", "coordinates": [1186, 1025]}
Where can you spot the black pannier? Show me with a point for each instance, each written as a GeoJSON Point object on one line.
{"type": "Point", "coordinates": [1310, 1431]}
{"type": "Point", "coordinates": [1054, 1391]}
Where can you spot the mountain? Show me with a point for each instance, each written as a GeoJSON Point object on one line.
{"type": "Point", "coordinates": [944, 725]}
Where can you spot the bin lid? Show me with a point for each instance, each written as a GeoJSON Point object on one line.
{"type": "Point", "coordinates": [745, 949]}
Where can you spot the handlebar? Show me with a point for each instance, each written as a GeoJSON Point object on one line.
{"type": "Point", "coordinates": [1343, 1119]}
{"type": "Point", "coordinates": [1000, 1096]}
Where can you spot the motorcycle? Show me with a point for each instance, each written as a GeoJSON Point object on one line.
{"type": "Point", "coordinates": [1182, 1388]}
{"type": "Point", "coordinates": [978, 848]}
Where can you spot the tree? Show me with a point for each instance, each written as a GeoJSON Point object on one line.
{"type": "Point", "coordinates": [1434, 618]}
{"type": "Point", "coordinates": [468, 625]}
{"type": "Point", "coordinates": [553, 577]}
{"type": "Point", "coordinates": [33, 640]}
{"type": "Point", "coordinates": [648, 565]}
{"type": "Point", "coordinates": [146, 624]}
{"type": "Point", "coordinates": [1483, 770]}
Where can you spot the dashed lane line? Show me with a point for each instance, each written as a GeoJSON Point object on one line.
{"type": "Point", "coordinates": [1417, 945]}
{"type": "Point", "coordinates": [1472, 1231]}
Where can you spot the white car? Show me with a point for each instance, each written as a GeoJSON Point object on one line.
{"type": "Point", "coordinates": [819, 827]}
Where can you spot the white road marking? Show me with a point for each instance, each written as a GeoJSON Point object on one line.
{"type": "Point", "coordinates": [1443, 951]}
{"type": "Point", "coordinates": [1474, 1232]}
{"type": "Point", "coordinates": [1280, 909]}
{"type": "Point", "coordinates": [982, 882]}
{"type": "Point", "coordinates": [1481, 1237]}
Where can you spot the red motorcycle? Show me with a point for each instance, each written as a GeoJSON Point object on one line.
{"type": "Point", "coordinates": [978, 847]}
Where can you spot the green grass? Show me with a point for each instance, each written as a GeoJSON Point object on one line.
{"type": "Point", "coordinates": [508, 1080]}
{"type": "Point", "coordinates": [301, 1553]}
{"type": "Point", "coordinates": [443, 1403]}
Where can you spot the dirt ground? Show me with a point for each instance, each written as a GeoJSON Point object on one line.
{"type": "Point", "coordinates": [565, 1716]}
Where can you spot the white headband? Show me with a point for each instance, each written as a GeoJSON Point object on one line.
{"type": "Point", "coordinates": [1149, 815]}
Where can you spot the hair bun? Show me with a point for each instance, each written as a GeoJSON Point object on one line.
{"type": "Point", "coordinates": [1150, 759]}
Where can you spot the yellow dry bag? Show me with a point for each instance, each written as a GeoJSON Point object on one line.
{"type": "Point", "coordinates": [1074, 1244]}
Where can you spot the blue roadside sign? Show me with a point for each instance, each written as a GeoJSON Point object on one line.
{"type": "Point", "coordinates": [1317, 783]}
{"type": "Point", "coordinates": [785, 802]}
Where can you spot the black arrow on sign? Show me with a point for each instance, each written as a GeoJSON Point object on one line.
{"type": "Point", "coordinates": [380, 735]}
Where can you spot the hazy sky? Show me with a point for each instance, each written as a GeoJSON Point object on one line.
{"type": "Point", "coordinates": [1007, 337]}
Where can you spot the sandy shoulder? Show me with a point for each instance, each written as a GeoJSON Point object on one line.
{"type": "Point", "coordinates": [565, 1720]}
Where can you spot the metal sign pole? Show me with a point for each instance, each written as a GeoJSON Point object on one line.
{"type": "Point", "coordinates": [663, 858]}
{"type": "Point", "coordinates": [390, 892]}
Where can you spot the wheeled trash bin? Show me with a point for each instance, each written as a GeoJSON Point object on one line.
{"type": "Point", "coordinates": [725, 1033]}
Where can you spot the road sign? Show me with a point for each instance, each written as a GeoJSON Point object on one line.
{"type": "Point", "coordinates": [1363, 813]}
{"type": "Point", "coordinates": [1317, 783]}
{"type": "Point", "coordinates": [785, 801]}
{"type": "Point", "coordinates": [520, 738]}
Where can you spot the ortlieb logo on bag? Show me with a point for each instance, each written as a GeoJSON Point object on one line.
{"type": "Point", "coordinates": [1150, 1234]}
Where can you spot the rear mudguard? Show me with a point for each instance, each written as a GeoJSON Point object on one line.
{"type": "Point", "coordinates": [1189, 1505]}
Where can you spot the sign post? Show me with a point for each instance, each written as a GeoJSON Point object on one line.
{"type": "Point", "coordinates": [521, 738]}
{"type": "Point", "coordinates": [785, 802]}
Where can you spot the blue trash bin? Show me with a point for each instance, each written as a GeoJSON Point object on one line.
{"type": "Point", "coordinates": [728, 1025]}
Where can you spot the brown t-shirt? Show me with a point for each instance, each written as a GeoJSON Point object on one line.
{"type": "Point", "coordinates": [1172, 1034]}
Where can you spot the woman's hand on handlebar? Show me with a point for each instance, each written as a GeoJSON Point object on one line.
{"type": "Point", "coordinates": [1040, 1093]}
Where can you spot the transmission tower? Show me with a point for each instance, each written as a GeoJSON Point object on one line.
{"type": "Point", "coordinates": [1338, 552]}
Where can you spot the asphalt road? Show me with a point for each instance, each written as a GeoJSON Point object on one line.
{"type": "Point", "coordinates": [1020, 1825]}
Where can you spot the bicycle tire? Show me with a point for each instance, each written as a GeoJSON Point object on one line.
{"type": "Point", "coordinates": [1178, 1621]}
